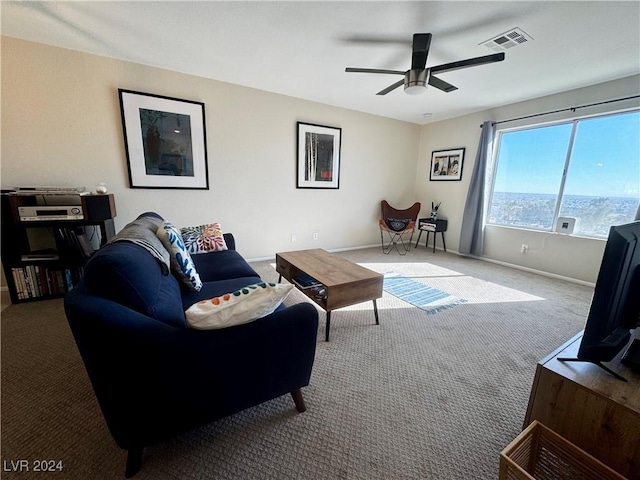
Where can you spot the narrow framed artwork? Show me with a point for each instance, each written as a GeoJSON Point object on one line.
{"type": "Point", "coordinates": [318, 156]}
{"type": "Point", "coordinates": [446, 164]}
{"type": "Point", "coordinates": [165, 141]}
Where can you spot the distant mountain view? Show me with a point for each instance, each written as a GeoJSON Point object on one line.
{"type": "Point", "coordinates": [535, 210]}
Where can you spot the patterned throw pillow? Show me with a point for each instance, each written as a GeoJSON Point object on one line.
{"type": "Point", "coordinates": [242, 306]}
{"type": "Point", "coordinates": [203, 238]}
{"type": "Point", "coordinates": [181, 263]}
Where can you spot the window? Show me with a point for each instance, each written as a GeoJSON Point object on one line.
{"type": "Point", "coordinates": [588, 169]}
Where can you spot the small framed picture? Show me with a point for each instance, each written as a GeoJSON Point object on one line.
{"type": "Point", "coordinates": [318, 156]}
{"type": "Point", "coordinates": [446, 164]}
{"type": "Point", "coordinates": [165, 141]}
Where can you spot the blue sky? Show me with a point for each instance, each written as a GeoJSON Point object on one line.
{"type": "Point", "coordinates": [605, 160]}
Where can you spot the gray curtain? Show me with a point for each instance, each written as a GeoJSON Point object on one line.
{"type": "Point", "coordinates": [471, 233]}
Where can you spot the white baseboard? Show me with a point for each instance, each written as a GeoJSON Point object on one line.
{"type": "Point", "coordinates": [353, 248]}
{"type": "Point", "coordinates": [532, 270]}
{"type": "Point", "coordinates": [331, 250]}
{"type": "Point", "coordinates": [525, 269]}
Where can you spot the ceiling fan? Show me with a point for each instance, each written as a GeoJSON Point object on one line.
{"type": "Point", "coordinates": [416, 79]}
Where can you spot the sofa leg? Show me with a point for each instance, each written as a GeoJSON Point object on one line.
{"type": "Point", "coordinates": [298, 400]}
{"type": "Point", "coordinates": [134, 461]}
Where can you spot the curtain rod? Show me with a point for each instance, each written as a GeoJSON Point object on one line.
{"type": "Point", "coordinates": [570, 109]}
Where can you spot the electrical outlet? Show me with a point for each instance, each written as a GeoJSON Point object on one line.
{"type": "Point", "coordinates": [293, 237]}
{"type": "Point", "coordinates": [524, 248]}
{"type": "Point", "coordinates": [315, 235]}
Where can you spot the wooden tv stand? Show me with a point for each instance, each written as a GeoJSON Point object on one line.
{"type": "Point", "coordinates": [590, 407]}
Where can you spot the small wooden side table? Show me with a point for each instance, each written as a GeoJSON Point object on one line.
{"type": "Point", "coordinates": [428, 225]}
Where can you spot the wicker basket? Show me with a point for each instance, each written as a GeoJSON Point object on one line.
{"type": "Point", "coordinates": [539, 453]}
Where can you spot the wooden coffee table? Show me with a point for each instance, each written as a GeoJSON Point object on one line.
{"type": "Point", "coordinates": [344, 283]}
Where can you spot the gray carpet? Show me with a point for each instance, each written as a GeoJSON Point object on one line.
{"type": "Point", "coordinates": [418, 397]}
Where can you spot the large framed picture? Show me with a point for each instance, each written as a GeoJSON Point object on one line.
{"type": "Point", "coordinates": [446, 164]}
{"type": "Point", "coordinates": [318, 156]}
{"type": "Point", "coordinates": [165, 141]}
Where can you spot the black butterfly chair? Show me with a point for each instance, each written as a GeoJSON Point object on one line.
{"type": "Point", "coordinates": [398, 224]}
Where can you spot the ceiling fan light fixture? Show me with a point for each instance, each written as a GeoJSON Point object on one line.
{"type": "Point", "coordinates": [415, 81]}
{"type": "Point", "coordinates": [415, 89]}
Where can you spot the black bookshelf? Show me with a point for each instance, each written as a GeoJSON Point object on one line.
{"type": "Point", "coordinates": [44, 259]}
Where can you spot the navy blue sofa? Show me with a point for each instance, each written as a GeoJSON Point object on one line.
{"type": "Point", "coordinates": [153, 376]}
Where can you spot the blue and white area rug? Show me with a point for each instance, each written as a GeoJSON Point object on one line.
{"type": "Point", "coordinates": [427, 298]}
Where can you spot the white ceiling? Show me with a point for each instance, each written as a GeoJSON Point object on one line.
{"type": "Point", "coordinates": [301, 48]}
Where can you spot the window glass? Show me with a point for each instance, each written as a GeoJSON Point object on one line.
{"type": "Point", "coordinates": [601, 185]}
{"type": "Point", "coordinates": [603, 181]}
{"type": "Point", "coordinates": [529, 171]}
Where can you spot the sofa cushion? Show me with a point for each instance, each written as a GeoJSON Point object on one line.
{"type": "Point", "coordinates": [215, 289]}
{"type": "Point", "coordinates": [128, 274]}
{"type": "Point", "coordinates": [237, 307]}
{"type": "Point", "coordinates": [181, 264]}
{"type": "Point", "coordinates": [203, 238]}
{"type": "Point", "coordinates": [222, 265]}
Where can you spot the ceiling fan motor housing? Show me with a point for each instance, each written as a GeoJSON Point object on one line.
{"type": "Point", "coordinates": [415, 81]}
{"type": "Point", "coordinates": [418, 77]}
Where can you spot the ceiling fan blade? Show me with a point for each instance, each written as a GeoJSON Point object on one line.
{"type": "Point", "coordinates": [471, 62]}
{"type": "Point", "coordinates": [441, 84]}
{"type": "Point", "coordinates": [421, 43]}
{"type": "Point", "coordinates": [391, 87]}
{"type": "Point", "coordinates": [373, 70]}
{"type": "Point", "coordinates": [377, 40]}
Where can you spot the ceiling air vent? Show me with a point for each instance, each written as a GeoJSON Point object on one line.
{"type": "Point", "coordinates": [504, 41]}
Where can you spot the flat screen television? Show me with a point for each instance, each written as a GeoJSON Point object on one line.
{"type": "Point", "coordinates": [615, 306]}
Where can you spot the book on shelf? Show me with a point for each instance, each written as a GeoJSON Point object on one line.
{"type": "Point", "coordinates": [428, 226]}
{"type": "Point", "coordinates": [29, 282]}
{"type": "Point", "coordinates": [33, 281]}
{"type": "Point", "coordinates": [19, 283]}
{"type": "Point", "coordinates": [305, 281]}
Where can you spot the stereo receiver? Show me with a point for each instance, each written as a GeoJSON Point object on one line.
{"type": "Point", "coordinates": [50, 212]}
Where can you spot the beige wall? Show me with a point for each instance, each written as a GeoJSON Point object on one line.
{"type": "Point", "coordinates": [61, 126]}
{"type": "Point", "coordinates": [567, 256]}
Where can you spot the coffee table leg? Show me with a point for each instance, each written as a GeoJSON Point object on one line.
{"type": "Point", "coordinates": [326, 330]}
{"type": "Point", "coordinates": [375, 311]}
{"type": "Point", "coordinates": [280, 278]}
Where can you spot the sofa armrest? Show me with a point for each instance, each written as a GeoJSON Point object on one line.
{"type": "Point", "coordinates": [229, 240]}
